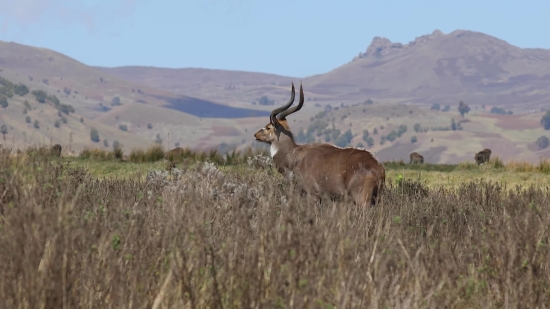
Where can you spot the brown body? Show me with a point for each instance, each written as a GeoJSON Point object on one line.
{"type": "Point", "coordinates": [322, 168]}
{"type": "Point", "coordinates": [483, 156]}
{"type": "Point", "coordinates": [415, 157]}
{"type": "Point", "coordinates": [56, 150]}
{"type": "Point", "coordinates": [174, 153]}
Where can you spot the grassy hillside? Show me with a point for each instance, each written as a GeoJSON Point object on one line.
{"type": "Point", "coordinates": [511, 137]}
{"type": "Point", "coordinates": [98, 97]}
{"type": "Point", "coordinates": [30, 122]}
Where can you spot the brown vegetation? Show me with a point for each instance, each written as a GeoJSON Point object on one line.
{"type": "Point", "coordinates": [203, 238]}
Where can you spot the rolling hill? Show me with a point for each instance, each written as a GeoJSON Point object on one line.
{"type": "Point", "coordinates": [97, 96]}
{"type": "Point", "coordinates": [203, 108]}
{"type": "Point", "coordinates": [435, 68]}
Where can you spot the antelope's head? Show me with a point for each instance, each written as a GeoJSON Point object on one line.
{"type": "Point", "coordinates": [277, 120]}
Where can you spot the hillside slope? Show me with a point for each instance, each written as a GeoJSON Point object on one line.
{"type": "Point", "coordinates": [443, 68]}
{"type": "Point", "coordinates": [435, 68]}
{"type": "Point", "coordinates": [97, 96]}
{"type": "Point", "coordinates": [232, 88]}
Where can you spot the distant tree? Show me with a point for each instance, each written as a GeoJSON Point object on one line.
{"type": "Point", "coordinates": [27, 104]}
{"type": "Point", "coordinates": [435, 107]}
{"type": "Point", "coordinates": [453, 124]}
{"type": "Point", "coordinates": [123, 127]}
{"type": "Point", "coordinates": [401, 130]}
{"type": "Point", "coordinates": [63, 119]}
{"type": "Point", "coordinates": [115, 101]}
{"type": "Point", "coordinates": [392, 136]}
{"type": "Point", "coordinates": [498, 110]}
{"type": "Point", "coordinates": [149, 126]}
{"type": "Point", "coordinates": [40, 95]}
{"type": "Point", "coordinates": [344, 139]}
{"type": "Point", "coordinates": [116, 144]}
{"type": "Point", "coordinates": [66, 108]}
{"type": "Point", "coordinates": [264, 100]}
{"type": "Point", "coordinates": [101, 79]}
{"type": "Point", "coordinates": [53, 98]}
{"type": "Point", "coordinates": [413, 139]}
{"type": "Point", "coordinates": [375, 131]}
{"type": "Point", "coordinates": [360, 145]}
{"type": "Point", "coordinates": [446, 108]}
{"type": "Point", "coordinates": [463, 108]}
{"type": "Point", "coordinates": [417, 128]}
{"type": "Point", "coordinates": [20, 89]}
{"type": "Point", "coordinates": [28, 119]}
{"type": "Point", "coordinates": [81, 120]}
{"type": "Point", "coordinates": [25, 111]}
{"type": "Point", "coordinates": [36, 124]}
{"type": "Point", "coordinates": [542, 142]}
{"type": "Point", "coordinates": [94, 135]}
{"type": "Point", "coordinates": [177, 144]}
{"type": "Point", "coordinates": [370, 141]}
{"type": "Point", "coordinates": [67, 91]}
{"type": "Point", "coordinates": [545, 120]}
{"type": "Point", "coordinates": [106, 143]}
{"type": "Point", "coordinates": [4, 131]}
{"type": "Point", "coordinates": [158, 140]}
{"type": "Point", "coordinates": [368, 102]}
{"type": "Point", "coordinates": [57, 124]}
{"type": "Point", "coordinates": [3, 101]}
{"type": "Point", "coordinates": [365, 135]}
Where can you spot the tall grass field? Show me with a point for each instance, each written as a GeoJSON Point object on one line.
{"type": "Point", "coordinates": [188, 229]}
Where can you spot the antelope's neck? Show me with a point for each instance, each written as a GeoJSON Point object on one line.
{"type": "Point", "coordinates": [283, 153]}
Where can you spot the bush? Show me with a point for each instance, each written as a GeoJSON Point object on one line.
{"type": "Point", "coordinates": [94, 135]}
{"type": "Point", "coordinates": [123, 127]}
{"type": "Point", "coordinates": [413, 139]}
{"type": "Point", "coordinates": [40, 95]}
{"type": "Point", "coordinates": [3, 101]}
{"type": "Point", "coordinates": [20, 89]}
{"type": "Point", "coordinates": [542, 142]}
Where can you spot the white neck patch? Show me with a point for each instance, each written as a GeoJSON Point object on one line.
{"type": "Point", "coordinates": [273, 150]}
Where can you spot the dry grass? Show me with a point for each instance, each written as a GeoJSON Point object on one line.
{"type": "Point", "coordinates": [203, 237]}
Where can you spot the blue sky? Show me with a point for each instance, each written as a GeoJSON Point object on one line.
{"type": "Point", "coordinates": [294, 38]}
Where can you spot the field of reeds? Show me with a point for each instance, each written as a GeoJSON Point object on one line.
{"type": "Point", "coordinates": [206, 230]}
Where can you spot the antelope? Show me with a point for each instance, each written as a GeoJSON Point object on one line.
{"type": "Point", "coordinates": [415, 157]}
{"type": "Point", "coordinates": [322, 168]}
{"type": "Point", "coordinates": [56, 150]}
{"type": "Point", "coordinates": [483, 156]}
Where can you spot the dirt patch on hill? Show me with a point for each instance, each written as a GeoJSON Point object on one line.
{"type": "Point", "coordinates": [225, 131]}
{"type": "Point", "coordinates": [487, 135]}
{"type": "Point", "coordinates": [514, 122]}
{"type": "Point", "coordinates": [454, 136]}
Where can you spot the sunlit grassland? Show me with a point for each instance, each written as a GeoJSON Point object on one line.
{"type": "Point", "coordinates": [109, 164]}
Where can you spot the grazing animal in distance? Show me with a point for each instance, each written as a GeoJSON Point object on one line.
{"type": "Point", "coordinates": [415, 157]}
{"type": "Point", "coordinates": [56, 150]}
{"type": "Point", "coordinates": [321, 168]}
{"type": "Point", "coordinates": [174, 152]}
{"type": "Point", "coordinates": [483, 156]}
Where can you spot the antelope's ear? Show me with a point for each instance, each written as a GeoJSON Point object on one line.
{"type": "Point", "coordinates": [274, 122]}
